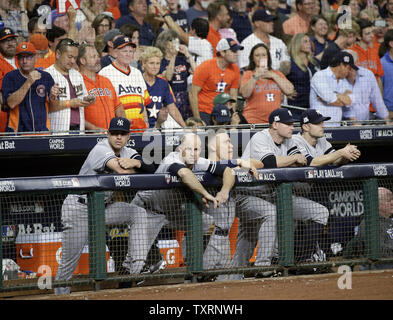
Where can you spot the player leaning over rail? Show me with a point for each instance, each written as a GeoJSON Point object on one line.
{"type": "Point", "coordinates": [169, 204]}
{"type": "Point", "coordinates": [108, 156]}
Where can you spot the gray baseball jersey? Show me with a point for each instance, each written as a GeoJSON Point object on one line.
{"type": "Point", "coordinates": [99, 156]}
{"type": "Point", "coordinates": [321, 148]}
{"type": "Point", "coordinates": [262, 145]}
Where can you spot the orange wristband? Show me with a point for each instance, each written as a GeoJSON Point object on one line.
{"type": "Point", "coordinates": [68, 103]}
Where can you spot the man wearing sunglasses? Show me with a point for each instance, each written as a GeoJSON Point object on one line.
{"type": "Point", "coordinates": [25, 92]}
{"type": "Point", "coordinates": [67, 111]}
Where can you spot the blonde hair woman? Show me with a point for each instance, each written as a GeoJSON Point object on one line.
{"type": "Point", "coordinates": [163, 100]}
{"type": "Point", "coordinates": [303, 67]}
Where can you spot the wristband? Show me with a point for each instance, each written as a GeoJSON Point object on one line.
{"type": "Point", "coordinates": [68, 103]}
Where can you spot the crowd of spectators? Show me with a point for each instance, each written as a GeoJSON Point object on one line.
{"type": "Point", "coordinates": [162, 62]}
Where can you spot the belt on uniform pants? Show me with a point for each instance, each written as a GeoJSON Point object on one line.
{"type": "Point", "coordinates": [82, 200]}
{"type": "Point", "coordinates": [220, 232]}
{"type": "Point", "coordinates": [75, 127]}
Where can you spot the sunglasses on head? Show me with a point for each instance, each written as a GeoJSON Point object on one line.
{"type": "Point", "coordinates": [70, 42]}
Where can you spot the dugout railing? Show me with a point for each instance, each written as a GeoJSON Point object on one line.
{"type": "Point", "coordinates": [31, 209]}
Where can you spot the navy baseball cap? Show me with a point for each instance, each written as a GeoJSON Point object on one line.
{"type": "Point", "coordinates": [7, 33]}
{"type": "Point", "coordinates": [262, 15]}
{"type": "Point", "coordinates": [221, 113]}
{"type": "Point", "coordinates": [343, 57]}
{"type": "Point", "coordinates": [123, 41]}
{"type": "Point", "coordinates": [228, 44]}
{"type": "Point", "coordinates": [281, 115]}
{"type": "Point", "coordinates": [119, 124]}
{"type": "Point", "coordinates": [312, 116]}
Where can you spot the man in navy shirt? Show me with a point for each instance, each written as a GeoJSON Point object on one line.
{"type": "Point", "coordinates": [241, 22]}
{"type": "Point", "coordinates": [138, 11]}
{"type": "Point", "coordinates": [25, 91]}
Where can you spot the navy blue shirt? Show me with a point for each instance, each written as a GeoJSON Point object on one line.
{"type": "Point", "coordinates": [180, 74]}
{"type": "Point", "coordinates": [31, 115]}
{"type": "Point", "coordinates": [328, 54]}
{"type": "Point", "coordinates": [181, 19]}
{"type": "Point", "coordinates": [242, 25]}
{"type": "Point", "coordinates": [319, 47]}
{"type": "Point", "coordinates": [161, 95]}
{"type": "Point", "coordinates": [301, 81]}
{"type": "Point", "coordinates": [147, 35]}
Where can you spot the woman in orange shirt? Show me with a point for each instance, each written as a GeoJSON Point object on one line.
{"type": "Point", "coordinates": [262, 87]}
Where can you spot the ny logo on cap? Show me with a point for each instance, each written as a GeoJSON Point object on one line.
{"type": "Point", "coordinates": [346, 59]}
{"type": "Point", "coordinates": [276, 118]}
{"type": "Point", "coordinates": [120, 122]}
{"type": "Point", "coordinates": [126, 39]}
{"type": "Point", "coordinates": [7, 31]}
{"type": "Point", "coordinates": [224, 112]}
{"type": "Point", "coordinates": [290, 113]}
{"type": "Point", "coordinates": [305, 119]}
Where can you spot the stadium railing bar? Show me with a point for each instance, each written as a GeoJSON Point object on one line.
{"type": "Point", "coordinates": [31, 209]}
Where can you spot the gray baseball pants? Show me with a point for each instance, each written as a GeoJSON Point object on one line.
{"type": "Point", "coordinates": [75, 235]}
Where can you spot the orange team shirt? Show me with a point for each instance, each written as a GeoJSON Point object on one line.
{"type": "Point", "coordinates": [103, 110]}
{"type": "Point", "coordinates": [213, 37]}
{"type": "Point", "coordinates": [369, 59]}
{"type": "Point", "coordinates": [265, 98]}
{"type": "Point", "coordinates": [5, 67]}
{"type": "Point", "coordinates": [46, 61]}
{"type": "Point", "coordinates": [213, 81]}
{"type": "Point", "coordinates": [295, 25]}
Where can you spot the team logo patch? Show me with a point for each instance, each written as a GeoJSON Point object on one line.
{"type": "Point", "coordinates": [41, 91]}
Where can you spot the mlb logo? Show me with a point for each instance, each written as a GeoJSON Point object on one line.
{"type": "Point", "coordinates": [168, 178]}
{"type": "Point", "coordinates": [310, 174]}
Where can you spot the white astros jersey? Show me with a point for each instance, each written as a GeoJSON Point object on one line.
{"type": "Point", "coordinates": [321, 148]}
{"type": "Point", "coordinates": [131, 90]}
{"type": "Point", "coordinates": [262, 145]}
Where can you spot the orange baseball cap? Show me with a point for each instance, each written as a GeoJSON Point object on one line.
{"type": "Point", "coordinates": [39, 41]}
{"type": "Point", "coordinates": [25, 47]}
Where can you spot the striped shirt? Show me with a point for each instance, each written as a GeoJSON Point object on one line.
{"type": "Point", "coordinates": [131, 90]}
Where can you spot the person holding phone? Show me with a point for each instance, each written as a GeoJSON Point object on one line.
{"type": "Point", "coordinates": [262, 87]}
{"type": "Point", "coordinates": [176, 66]}
{"type": "Point", "coordinates": [68, 113]}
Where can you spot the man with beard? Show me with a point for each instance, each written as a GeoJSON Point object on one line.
{"type": "Point", "coordinates": [7, 63]}
{"type": "Point", "coordinates": [107, 105]}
